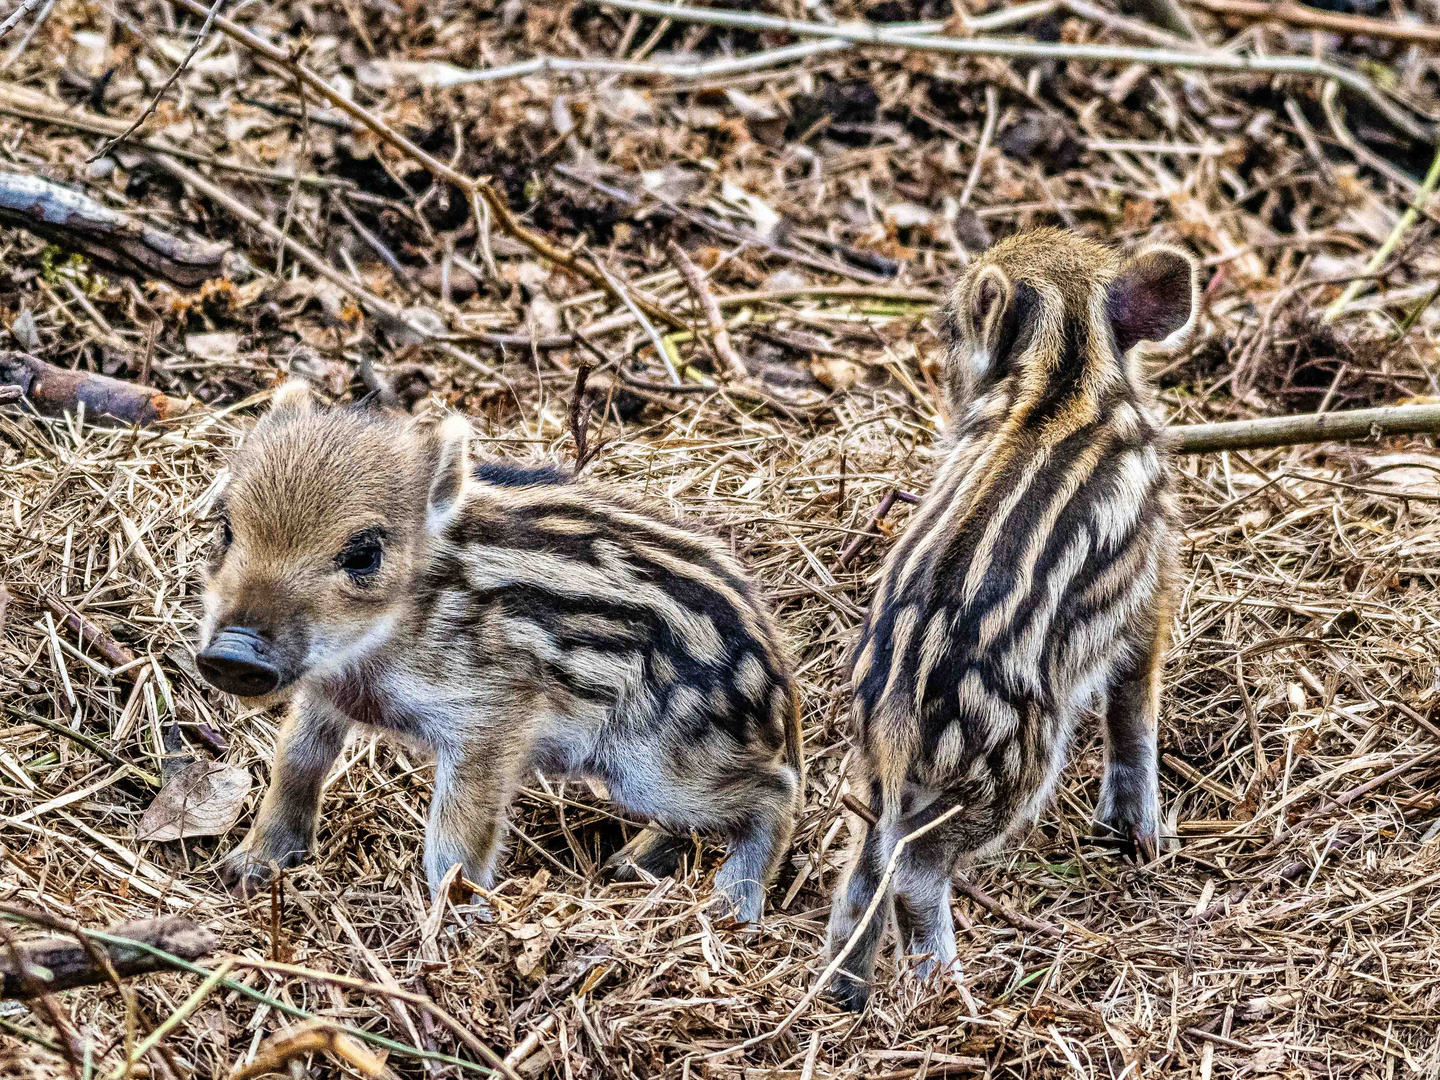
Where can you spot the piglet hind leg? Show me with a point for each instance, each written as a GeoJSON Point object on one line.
{"type": "Point", "coordinates": [654, 850]}
{"type": "Point", "coordinates": [757, 842]}
{"type": "Point", "coordinates": [926, 866]}
{"type": "Point", "coordinates": [850, 987]}
{"type": "Point", "coordinates": [1130, 794]}
{"type": "Point", "coordinates": [922, 910]}
{"type": "Point", "coordinates": [309, 742]}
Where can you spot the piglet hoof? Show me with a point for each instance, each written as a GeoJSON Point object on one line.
{"type": "Point", "coordinates": [652, 852]}
{"type": "Point", "coordinates": [622, 868]}
{"type": "Point", "coordinates": [244, 875]}
{"type": "Point", "coordinates": [1144, 845]}
{"type": "Point", "coordinates": [477, 912]}
{"type": "Point", "coordinates": [737, 908]}
{"type": "Point", "coordinates": [850, 993]}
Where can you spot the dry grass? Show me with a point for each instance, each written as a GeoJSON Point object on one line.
{"type": "Point", "coordinates": [1290, 927]}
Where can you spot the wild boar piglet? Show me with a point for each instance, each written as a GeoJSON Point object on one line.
{"type": "Point", "coordinates": [1034, 578]}
{"type": "Point", "coordinates": [508, 619]}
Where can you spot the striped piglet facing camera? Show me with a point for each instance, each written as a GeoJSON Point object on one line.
{"type": "Point", "coordinates": [1035, 577]}
{"type": "Point", "coordinates": [507, 618]}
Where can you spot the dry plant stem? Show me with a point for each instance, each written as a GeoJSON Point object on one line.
{"type": "Point", "coordinates": [705, 302]}
{"type": "Point", "coordinates": [999, 910]}
{"type": "Point", "coordinates": [319, 1036]}
{"type": "Point", "coordinates": [656, 342]}
{"type": "Point", "coordinates": [83, 740]}
{"type": "Point", "coordinates": [1407, 219]}
{"type": "Point", "coordinates": [1287, 11]}
{"type": "Point", "coordinates": [471, 186]}
{"type": "Point", "coordinates": [15, 16]}
{"type": "Point", "coordinates": [1035, 50]}
{"type": "Point", "coordinates": [160, 94]}
{"type": "Point", "coordinates": [992, 115]}
{"type": "Point", "coordinates": [1305, 428]}
{"type": "Point", "coordinates": [853, 548]}
{"type": "Point", "coordinates": [70, 964]}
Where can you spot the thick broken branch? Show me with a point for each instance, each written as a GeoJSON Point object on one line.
{"type": "Point", "coordinates": [55, 391]}
{"type": "Point", "coordinates": [1305, 428]}
{"type": "Point", "coordinates": [60, 963]}
{"type": "Point", "coordinates": [74, 220]}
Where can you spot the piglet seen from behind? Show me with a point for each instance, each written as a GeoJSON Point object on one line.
{"type": "Point", "coordinates": [1034, 578]}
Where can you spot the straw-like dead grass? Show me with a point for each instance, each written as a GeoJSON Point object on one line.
{"type": "Point", "coordinates": [1289, 927]}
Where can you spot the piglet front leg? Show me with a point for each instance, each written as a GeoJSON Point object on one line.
{"type": "Point", "coordinates": [473, 787]}
{"type": "Point", "coordinates": [284, 828]}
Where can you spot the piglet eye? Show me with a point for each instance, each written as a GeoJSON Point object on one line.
{"type": "Point", "coordinates": [227, 537]}
{"type": "Point", "coordinates": [362, 555]}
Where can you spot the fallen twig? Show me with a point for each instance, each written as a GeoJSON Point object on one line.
{"type": "Point", "coordinates": [55, 391]}
{"type": "Point", "coordinates": [1287, 11]}
{"type": "Point", "coordinates": [1305, 428]}
{"type": "Point", "coordinates": [90, 634]}
{"type": "Point", "coordinates": [705, 304]}
{"type": "Point", "coordinates": [312, 1037]}
{"type": "Point", "coordinates": [58, 963]}
{"type": "Point", "coordinates": [75, 220]}
{"type": "Point", "coordinates": [999, 910]}
{"type": "Point", "coordinates": [868, 533]}
{"type": "Point", "coordinates": [1199, 60]}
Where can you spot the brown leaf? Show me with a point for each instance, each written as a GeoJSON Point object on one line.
{"type": "Point", "coordinates": [204, 800]}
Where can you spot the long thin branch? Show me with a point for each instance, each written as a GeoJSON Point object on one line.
{"type": "Point", "coordinates": [159, 94]}
{"type": "Point", "coordinates": [1287, 11]}
{"type": "Point", "coordinates": [1199, 60]}
{"type": "Point", "coordinates": [1305, 428]}
{"type": "Point", "coordinates": [278, 58]}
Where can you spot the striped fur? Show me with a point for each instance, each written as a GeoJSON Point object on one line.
{"type": "Point", "coordinates": [1034, 577]}
{"type": "Point", "coordinates": [519, 621]}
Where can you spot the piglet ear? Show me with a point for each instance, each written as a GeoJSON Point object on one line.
{"type": "Point", "coordinates": [293, 396]}
{"type": "Point", "coordinates": [452, 468]}
{"type": "Point", "coordinates": [990, 298]}
{"type": "Point", "coordinates": [1154, 297]}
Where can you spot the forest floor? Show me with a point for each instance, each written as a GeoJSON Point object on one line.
{"type": "Point", "coordinates": [1289, 929]}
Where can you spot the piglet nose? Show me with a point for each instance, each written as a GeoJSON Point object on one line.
{"type": "Point", "coordinates": [236, 661]}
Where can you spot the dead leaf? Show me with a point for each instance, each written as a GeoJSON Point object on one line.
{"type": "Point", "coordinates": [835, 373]}
{"type": "Point", "coordinates": [204, 800]}
{"type": "Point", "coordinates": [224, 346]}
